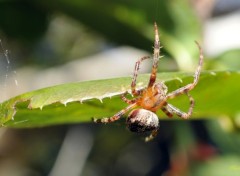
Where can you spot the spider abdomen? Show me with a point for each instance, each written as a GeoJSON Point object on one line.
{"type": "Point", "coordinates": [142, 120]}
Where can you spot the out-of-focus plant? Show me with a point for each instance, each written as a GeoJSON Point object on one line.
{"type": "Point", "coordinates": [125, 22]}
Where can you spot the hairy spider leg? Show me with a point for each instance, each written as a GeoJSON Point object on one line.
{"type": "Point", "coordinates": [151, 136]}
{"type": "Point", "coordinates": [123, 97]}
{"type": "Point", "coordinates": [173, 110]}
{"type": "Point", "coordinates": [156, 55]}
{"type": "Point", "coordinates": [116, 116]}
{"type": "Point", "coordinates": [135, 74]}
{"type": "Point", "coordinates": [166, 111]}
{"type": "Point", "coordinates": [190, 86]}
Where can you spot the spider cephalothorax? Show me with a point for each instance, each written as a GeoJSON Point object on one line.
{"type": "Point", "coordinates": [154, 97]}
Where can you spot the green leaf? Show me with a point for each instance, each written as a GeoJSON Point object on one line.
{"type": "Point", "coordinates": [215, 95]}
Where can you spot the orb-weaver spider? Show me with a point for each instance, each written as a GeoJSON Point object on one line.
{"type": "Point", "coordinates": [154, 97]}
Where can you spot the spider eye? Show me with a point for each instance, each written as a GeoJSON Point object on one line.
{"type": "Point", "coordinates": [141, 120]}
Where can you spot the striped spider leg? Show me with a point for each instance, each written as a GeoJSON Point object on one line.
{"type": "Point", "coordinates": [170, 109]}
{"type": "Point", "coordinates": [147, 101]}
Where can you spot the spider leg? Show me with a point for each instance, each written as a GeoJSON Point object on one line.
{"type": "Point", "coordinates": [151, 136]}
{"type": "Point", "coordinates": [173, 110]}
{"type": "Point", "coordinates": [135, 74]}
{"type": "Point", "coordinates": [166, 111]}
{"type": "Point", "coordinates": [116, 116]}
{"type": "Point", "coordinates": [190, 86]}
{"type": "Point", "coordinates": [123, 97]}
{"type": "Point", "coordinates": [156, 54]}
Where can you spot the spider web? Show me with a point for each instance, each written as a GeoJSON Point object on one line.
{"type": "Point", "coordinates": [8, 76]}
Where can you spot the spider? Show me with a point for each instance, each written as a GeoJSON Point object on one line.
{"type": "Point", "coordinates": [147, 101]}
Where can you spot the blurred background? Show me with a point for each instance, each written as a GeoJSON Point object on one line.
{"type": "Point", "coordinates": [45, 43]}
